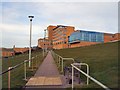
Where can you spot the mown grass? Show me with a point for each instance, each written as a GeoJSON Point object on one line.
{"type": "Point", "coordinates": [17, 75]}
{"type": "Point", "coordinates": [102, 59]}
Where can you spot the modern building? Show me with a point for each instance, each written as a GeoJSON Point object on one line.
{"type": "Point", "coordinates": [44, 43]}
{"type": "Point", "coordinates": [85, 38]}
{"type": "Point", "coordinates": [60, 37]}
{"type": "Point", "coordinates": [57, 37]}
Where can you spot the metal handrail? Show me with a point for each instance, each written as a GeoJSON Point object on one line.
{"type": "Point", "coordinates": [66, 59]}
{"type": "Point", "coordinates": [62, 59]}
{"type": "Point", "coordinates": [87, 66]}
{"type": "Point", "coordinates": [96, 81]}
{"type": "Point", "coordinates": [87, 75]}
{"type": "Point", "coordinates": [14, 67]}
{"type": "Point", "coordinates": [25, 61]}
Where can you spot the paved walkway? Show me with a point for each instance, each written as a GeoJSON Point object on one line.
{"type": "Point", "coordinates": [48, 67]}
{"type": "Point", "coordinates": [48, 73]}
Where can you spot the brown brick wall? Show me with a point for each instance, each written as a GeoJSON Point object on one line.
{"type": "Point", "coordinates": [22, 50]}
{"type": "Point", "coordinates": [82, 43]}
{"type": "Point", "coordinates": [111, 37]}
{"type": "Point", "coordinates": [44, 43]}
{"type": "Point", "coordinates": [117, 36]}
{"type": "Point", "coordinates": [60, 37]}
{"type": "Point", "coordinates": [108, 37]}
{"type": "Point", "coordinates": [50, 32]}
{"type": "Point", "coordinates": [7, 53]}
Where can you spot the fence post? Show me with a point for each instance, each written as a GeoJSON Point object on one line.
{"type": "Point", "coordinates": [9, 78]}
{"type": "Point", "coordinates": [25, 70]}
{"type": "Point", "coordinates": [72, 77]}
{"type": "Point", "coordinates": [62, 64]}
{"type": "Point", "coordinates": [36, 62]}
{"type": "Point", "coordinates": [59, 61]}
{"type": "Point", "coordinates": [87, 74]}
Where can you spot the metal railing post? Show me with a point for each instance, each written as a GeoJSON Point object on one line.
{"type": "Point", "coordinates": [62, 66]}
{"type": "Point", "coordinates": [59, 61]}
{"type": "Point", "coordinates": [36, 64]}
{"type": "Point", "coordinates": [80, 64]}
{"type": "Point", "coordinates": [63, 62]}
{"type": "Point", "coordinates": [87, 74]}
{"type": "Point", "coordinates": [72, 77]}
{"type": "Point", "coordinates": [9, 82]}
{"type": "Point", "coordinates": [25, 70]}
{"type": "Point", "coordinates": [93, 79]}
{"type": "Point", "coordinates": [32, 63]}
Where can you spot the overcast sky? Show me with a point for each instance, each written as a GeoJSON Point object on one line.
{"type": "Point", "coordinates": [92, 16]}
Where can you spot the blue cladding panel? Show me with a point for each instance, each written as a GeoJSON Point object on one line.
{"type": "Point", "coordinates": [86, 36]}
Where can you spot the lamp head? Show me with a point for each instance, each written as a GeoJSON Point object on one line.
{"type": "Point", "coordinates": [30, 17]}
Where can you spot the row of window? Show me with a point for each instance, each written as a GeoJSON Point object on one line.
{"type": "Point", "coordinates": [59, 34]}
{"type": "Point", "coordinates": [59, 43]}
{"type": "Point", "coordinates": [43, 40]}
{"type": "Point", "coordinates": [87, 36]}
{"type": "Point", "coordinates": [59, 38]}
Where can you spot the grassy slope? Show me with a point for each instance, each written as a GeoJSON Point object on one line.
{"type": "Point", "coordinates": [17, 75]}
{"type": "Point", "coordinates": [102, 59]}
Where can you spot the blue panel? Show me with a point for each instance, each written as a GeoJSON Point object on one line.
{"type": "Point", "coordinates": [86, 36]}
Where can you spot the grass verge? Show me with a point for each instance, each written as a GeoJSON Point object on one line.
{"type": "Point", "coordinates": [102, 59]}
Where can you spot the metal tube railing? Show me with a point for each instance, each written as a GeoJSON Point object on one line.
{"type": "Point", "coordinates": [58, 57]}
{"type": "Point", "coordinates": [11, 68]}
{"type": "Point", "coordinates": [9, 78]}
{"type": "Point", "coordinates": [14, 67]}
{"type": "Point", "coordinates": [96, 81]}
{"type": "Point", "coordinates": [87, 66]}
{"type": "Point", "coordinates": [63, 62]}
{"type": "Point", "coordinates": [87, 75]}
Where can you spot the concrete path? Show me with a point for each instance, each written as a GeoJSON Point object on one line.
{"type": "Point", "coordinates": [48, 67]}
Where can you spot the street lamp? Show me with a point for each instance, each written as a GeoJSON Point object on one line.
{"type": "Point", "coordinates": [44, 46]}
{"type": "Point", "coordinates": [30, 17]}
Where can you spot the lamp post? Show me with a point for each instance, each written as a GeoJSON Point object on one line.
{"type": "Point", "coordinates": [44, 45]}
{"type": "Point", "coordinates": [30, 17]}
{"type": "Point", "coordinates": [45, 40]}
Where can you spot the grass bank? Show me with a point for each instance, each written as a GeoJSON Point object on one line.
{"type": "Point", "coordinates": [102, 59]}
{"type": "Point", "coordinates": [17, 75]}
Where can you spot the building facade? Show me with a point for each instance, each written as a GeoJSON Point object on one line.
{"type": "Point", "coordinates": [111, 37]}
{"type": "Point", "coordinates": [57, 37]}
{"type": "Point", "coordinates": [44, 43]}
{"type": "Point", "coordinates": [60, 37]}
{"type": "Point", "coordinates": [85, 38]}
